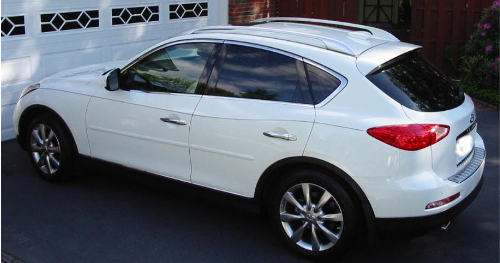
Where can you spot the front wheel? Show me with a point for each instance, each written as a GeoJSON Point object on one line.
{"type": "Point", "coordinates": [314, 215]}
{"type": "Point", "coordinates": [51, 149]}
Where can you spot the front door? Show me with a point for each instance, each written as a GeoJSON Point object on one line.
{"type": "Point", "coordinates": [146, 124]}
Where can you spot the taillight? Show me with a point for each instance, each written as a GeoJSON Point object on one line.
{"type": "Point", "coordinates": [410, 137]}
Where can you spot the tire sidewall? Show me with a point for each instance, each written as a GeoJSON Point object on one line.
{"type": "Point", "coordinates": [346, 205]}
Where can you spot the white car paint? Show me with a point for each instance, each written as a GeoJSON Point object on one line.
{"type": "Point", "coordinates": [228, 149]}
{"type": "Point", "coordinates": [222, 144]}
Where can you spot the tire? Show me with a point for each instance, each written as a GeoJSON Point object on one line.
{"type": "Point", "coordinates": [51, 149]}
{"type": "Point", "coordinates": [326, 228]}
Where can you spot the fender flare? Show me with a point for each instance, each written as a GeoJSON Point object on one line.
{"type": "Point", "coordinates": [33, 110]}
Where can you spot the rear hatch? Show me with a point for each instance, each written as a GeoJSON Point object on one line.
{"type": "Point", "coordinates": [429, 97]}
{"type": "Point", "coordinates": [452, 154]}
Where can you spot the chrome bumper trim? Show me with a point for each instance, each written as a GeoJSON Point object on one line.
{"type": "Point", "coordinates": [475, 163]}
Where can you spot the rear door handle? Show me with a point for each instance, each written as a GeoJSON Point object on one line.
{"type": "Point", "coordinates": [284, 136]}
{"type": "Point", "coordinates": [174, 121]}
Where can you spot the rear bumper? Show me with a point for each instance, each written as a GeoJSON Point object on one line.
{"type": "Point", "coordinates": [389, 227]}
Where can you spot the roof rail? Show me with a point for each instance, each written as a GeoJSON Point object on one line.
{"type": "Point", "coordinates": [376, 32]}
{"type": "Point", "coordinates": [326, 43]}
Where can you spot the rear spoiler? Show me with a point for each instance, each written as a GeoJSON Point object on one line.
{"type": "Point", "coordinates": [377, 56]}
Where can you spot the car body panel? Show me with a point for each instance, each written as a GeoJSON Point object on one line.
{"type": "Point", "coordinates": [125, 127]}
{"type": "Point", "coordinates": [78, 80]}
{"type": "Point", "coordinates": [444, 156]}
{"type": "Point", "coordinates": [228, 148]}
{"type": "Point", "coordinates": [71, 107]}
{"type": "Point", "coordinates": [407, 195]}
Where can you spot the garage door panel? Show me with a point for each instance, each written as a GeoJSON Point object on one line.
{"type": "Point", "coordinates": [51, 63]}
{"type": "Point", "coordinates": [11, 72]}
{"type": "Point", "coordinates": [126, 51]}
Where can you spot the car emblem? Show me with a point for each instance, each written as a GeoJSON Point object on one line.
{"type": "Point", "coordinates": [471, 118]}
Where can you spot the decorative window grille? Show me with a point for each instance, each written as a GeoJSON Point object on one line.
{"type": "Point", "coordinates": [189, 10]}
{"type": "Point", "coordinates": [131, 15]}
{"type": "Point", "coordinates": [13, 26]}
{"type": "Point", "coordinates": [69, 20]}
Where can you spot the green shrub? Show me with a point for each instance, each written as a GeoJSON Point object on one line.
{"type": "Point", "coordinates": [480, 61]}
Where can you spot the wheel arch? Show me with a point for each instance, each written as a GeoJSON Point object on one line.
{"type": "Point", "coordinates": [29, 113]}
{"type": "Point", "coordinates": [276, 173]}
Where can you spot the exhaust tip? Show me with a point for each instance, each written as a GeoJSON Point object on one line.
{"type": "Point", "coordinates": [445, 225]}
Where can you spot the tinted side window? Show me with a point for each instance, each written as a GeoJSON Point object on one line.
{"type": "Point", "coordinates": [254, 73]}
{"type": "Point", "coordinates": [175, 69]}
{"type": "Point", "coordinates": [322, 83]}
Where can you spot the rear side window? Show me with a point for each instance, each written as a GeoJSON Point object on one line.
{"type": "Point", "coordinates": [416, 84]}
{"type": "Point", "coordinates": [254, 73]}
{"type": "Point", "coordinates": [322, 83]}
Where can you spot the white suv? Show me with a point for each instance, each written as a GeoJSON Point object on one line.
{"type": "Point", "coordinates": [333, 131]}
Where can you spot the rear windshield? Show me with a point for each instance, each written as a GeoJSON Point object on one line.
{"type": "Point", "coordinates": [416, 84]}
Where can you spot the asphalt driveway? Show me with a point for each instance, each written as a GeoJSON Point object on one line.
{"type": "Point", "coordinates": [113, 216]}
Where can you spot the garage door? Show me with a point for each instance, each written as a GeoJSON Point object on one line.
{"type": "Point", "coordinates": [41, 38]}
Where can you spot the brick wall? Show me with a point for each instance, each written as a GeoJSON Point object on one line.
{"type": "Point", "coordinates": [243, 11]}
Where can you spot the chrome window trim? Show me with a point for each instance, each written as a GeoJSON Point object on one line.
{"type": "Point", "coordinates": [258, 100]}
{"type": "Point", "coordinates": [343, 82]}
{"type": "Point", "coordinates": [166, 93]}
{"type": "Point", "coordinates": [184, 41]}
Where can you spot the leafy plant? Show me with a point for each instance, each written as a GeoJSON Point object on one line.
{"type": "Point", "coordinates": [480, 61]}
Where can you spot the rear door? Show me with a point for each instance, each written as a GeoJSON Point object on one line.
{"type": "Point", "coordinates": [257, 110]}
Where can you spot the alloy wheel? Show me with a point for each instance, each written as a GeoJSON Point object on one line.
{"type": "Point", "coordinates": [311, 217]}
{"type": "Point", "coordinates": [45, 148]}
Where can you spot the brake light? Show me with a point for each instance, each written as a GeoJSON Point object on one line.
{"type": "Point", "coordinates": [410, 137]}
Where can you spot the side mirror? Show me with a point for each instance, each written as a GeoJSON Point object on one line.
{"type": "Point", "coordinates": [113, 80]}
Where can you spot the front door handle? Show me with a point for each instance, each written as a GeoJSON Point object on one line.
{"type": "Point", "coordinates": [284, 136]}
{"type": "Point", "coordinates": [174, 121]}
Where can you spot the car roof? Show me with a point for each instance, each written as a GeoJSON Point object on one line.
{"type": "Point", "coordinates": [367, 47]}
{"type": "Point", "coordinates": [319, 34]}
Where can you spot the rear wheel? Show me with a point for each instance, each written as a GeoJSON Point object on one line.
{"type": "Point", "coordinates": [314, 215]}
{"type": "Point", "coordinates": [51, 149]}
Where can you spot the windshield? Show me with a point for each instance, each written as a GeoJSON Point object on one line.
{"type": "Point", "coordinates": [416, 84]}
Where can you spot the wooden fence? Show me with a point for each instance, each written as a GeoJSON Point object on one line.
{"type": "Point", "coordinates": [436, 24]}
{"type": "Point", "coordinates": [340, 10]}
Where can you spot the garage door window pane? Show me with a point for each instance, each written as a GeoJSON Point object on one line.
{"type": "Point", "coordinates": [175, 69]}
{"type": "Point", "coordinates": [259, 74]}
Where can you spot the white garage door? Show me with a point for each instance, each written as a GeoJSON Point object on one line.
{"type": "Point", "coordinates": [42, 37]}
